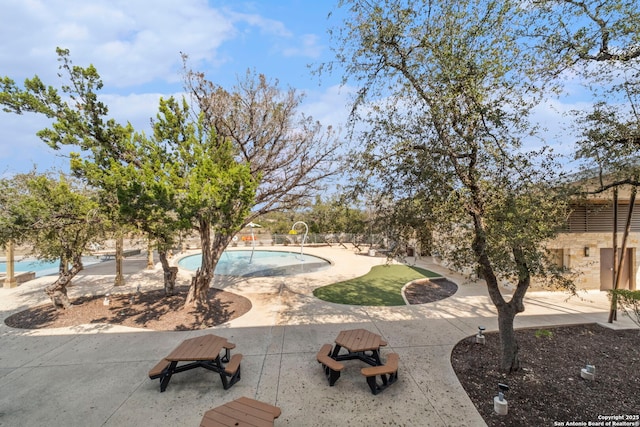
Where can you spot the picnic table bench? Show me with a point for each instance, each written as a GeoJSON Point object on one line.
{"type": "Point", "coordinates": [204, 351]}
{"type": "Point", "coordinates": [331, 366]}
{"type": "Point", "coordinates": [388, 374]}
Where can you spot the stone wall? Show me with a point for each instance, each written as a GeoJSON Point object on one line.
{"type": "Point", "coordinates": [571, 248]}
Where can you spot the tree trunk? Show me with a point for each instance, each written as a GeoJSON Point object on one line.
{"type": "Point", "coordinates": [198, 295]}
{"type": "Point", "coordinates": [617, 266]}
{"type": "Point", "coordinates": [510, 361]}
{"type": "Point", "coordinates": [506, 315]}
{"type": "Point", "coordinates": [119, 280]}
{"type": "Point", "coordinates": [212, 249]}
{"type": "Point", "coordinates": [507, 311]}
{"type": "Point", "coordinates": [150, 264]}
{"type": "Point", "coordinates": [170, 273]}
{"type": "Point", "coordinates": [57, 291]}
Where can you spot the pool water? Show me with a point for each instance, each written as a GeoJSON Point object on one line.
{"type": "Point", "coordinates": [41, 268]}
{"type": "Point", "coordinates": [263, 263]}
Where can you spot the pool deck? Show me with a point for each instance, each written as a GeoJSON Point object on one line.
{"type": "Point", "coordinates": [96, 375]}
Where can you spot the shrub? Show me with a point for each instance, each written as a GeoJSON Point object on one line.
{"type": "Point", "coordinates": [543, 333]}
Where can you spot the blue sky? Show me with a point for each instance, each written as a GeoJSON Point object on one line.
{"type": "Point", "coordinates": [136, 45]}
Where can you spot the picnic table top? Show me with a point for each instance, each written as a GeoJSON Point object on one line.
{"type": "Point", "coordinates": [242, 412]}
{"type": "Point", "coordinates": [356, 340]}
{"type": "Point", "coordinates": [205, 347]}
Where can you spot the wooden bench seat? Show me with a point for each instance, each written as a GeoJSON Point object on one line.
{"type": "Point", "coordinates": [388, 373]}
{"type": "Point", "coordinates": [158, 370]}
{"type": "Point", "coordinates": [331, 366]}
{"type": "Point", "coordinates": [324, 357]}
{"type": "Point", "coordinates": [228, 346]}
{"type": "Point", "coordinates": [234, 364]}
{"type": "Point", "coordinates": [231, 369]}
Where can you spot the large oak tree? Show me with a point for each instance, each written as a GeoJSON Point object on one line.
{"type": "Point", "coordinates": [444, 92]}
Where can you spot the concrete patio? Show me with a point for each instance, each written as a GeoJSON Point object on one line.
{"type": "Point", "coordinates": [96, 375]}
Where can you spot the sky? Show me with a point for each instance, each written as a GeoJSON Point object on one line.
{"type": "Point", "coordinates": [136, 47]}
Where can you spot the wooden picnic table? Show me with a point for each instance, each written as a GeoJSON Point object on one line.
{"type": "Point", "coordinates": [206, 347]}
{"type": "Point", "coordinates": [203, 351]}
{"type": "Point", "coordinates": [242, 412]}
{"type": "Point", "coordinates": [358, 342]}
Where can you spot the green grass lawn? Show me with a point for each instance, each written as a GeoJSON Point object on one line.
{"type": "Point", "coordinates": [381, 286]}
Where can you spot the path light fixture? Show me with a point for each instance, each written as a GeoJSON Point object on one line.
{"type": "Point", "coordinates": [499, 402]}
{"type": "Point", "coordinates": [480, 338]}
{"type": "Point", "coordinates": [588, 372]}
{"type": "Point", "coordinates": [106, 300]}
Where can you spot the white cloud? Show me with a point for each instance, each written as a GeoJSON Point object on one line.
{"type": "Point", "coordinates": [129, 42]}
{"type": "Point", "coordinates": [266, 25]}
{"type": "Point", "coordinates": [329, 107]}
{"type": "Point", "coordinates": [307, 46]}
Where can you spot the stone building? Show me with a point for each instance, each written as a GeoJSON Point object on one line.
{"type": "Point", "coordinates": [586, 244]}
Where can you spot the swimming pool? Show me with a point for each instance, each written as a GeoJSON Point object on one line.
{"type": "Point", "coordinates": [263, 263]}
{"type": "Point", "coordinates": [41, 268]}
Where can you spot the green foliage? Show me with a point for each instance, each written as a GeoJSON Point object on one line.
{"type": "Point", "coordinates": [162, 185]}
{"type": "Point", "coordinates": [446, 91]}
{"type": "Point", "coordinates": [449, 98]}
{"type": "Point", "coordinates": [57, 218]}
{"type": "Point", "coordinates": [600, 42]}
{"type": "Point", "coordinates": [629, 301]}
{"type": "Point", "coordinates": [81, 121]}
{"type": "Point", "coordinates": [334, 215]}
{"type": "Point", "coordinates": [381, 286]}
{"type": "Point", "coordinates": [543, 333]}
{"type": "Point", "coordinates": [12, 224]}
{"type": "Point", "coordinates": [278, 222]}
{"type": "Point", "coordinates": [210, 184]}
{"type": "Point", "coordinates": [582, 35]}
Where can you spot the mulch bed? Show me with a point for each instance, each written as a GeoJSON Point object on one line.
{"type": "Point", "coordinates": [548, 390]}
{"type": "Point", "coordinates": [429, 290]}
{"type": "Point", "coordinates": [151, 310]}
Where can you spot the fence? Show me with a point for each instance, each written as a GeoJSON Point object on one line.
{"type": "Point", "coordinates": [329, 239]}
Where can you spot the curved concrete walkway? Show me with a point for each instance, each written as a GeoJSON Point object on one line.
{"type": "Point", "coordinates": [96, 375]}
